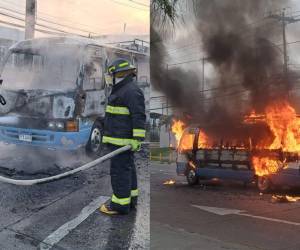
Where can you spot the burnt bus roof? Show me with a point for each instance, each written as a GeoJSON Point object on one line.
{"type": "Point", "coordinates": [41, 43]}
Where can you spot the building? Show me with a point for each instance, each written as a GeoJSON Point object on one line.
{"type": "Point", "coordinates": [9, 36]}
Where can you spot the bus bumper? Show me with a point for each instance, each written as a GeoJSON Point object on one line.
{"type": "Point", "coordinates": [45, 138]}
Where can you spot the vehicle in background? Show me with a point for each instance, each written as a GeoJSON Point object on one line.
{"type": "Point", "coordinates": [53, 92]}
{"type": "Point", "coordinates": [231, 162]}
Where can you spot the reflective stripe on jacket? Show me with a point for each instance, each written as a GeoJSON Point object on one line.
{"type": "Point", "coordinates": [125, 114]}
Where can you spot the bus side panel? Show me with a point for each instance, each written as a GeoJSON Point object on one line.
{"type": "Point", "coordinates": [182, 164]}
{"type": "Point", "coordinates": [287, 177]}
{"type": "Point", "coordinates": [226, 174]}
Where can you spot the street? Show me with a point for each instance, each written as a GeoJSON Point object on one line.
{"type": "Point", "coordinates": [64, 214]}
{"type": "Point", "coordinates": [218, 215]}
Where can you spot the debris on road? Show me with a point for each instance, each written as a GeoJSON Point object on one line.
{"type": "Point", "coordinates": [169, 182]}
{"type": "Point", "coordinates": [284, 198]}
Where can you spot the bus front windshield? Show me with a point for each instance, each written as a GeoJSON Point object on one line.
{"type": "Point", "coordinates": [45, 69]}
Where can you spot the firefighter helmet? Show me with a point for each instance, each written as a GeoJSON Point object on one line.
{"type": "Point", "coordinates": [120, 68]}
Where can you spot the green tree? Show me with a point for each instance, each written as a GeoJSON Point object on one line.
{"type": "Point", "coordinates": [163, 11]}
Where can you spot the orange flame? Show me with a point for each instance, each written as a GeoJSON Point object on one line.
{"type": "Point", "coordinates": [169, 182]}
{"type": "Point", "coordinates": [265, 165]}
{"type": "Point", "coordinates": [284, 124]}
{"type": "Point", "coordinates": [178, 128]}
{"type": "Point", "coordinates": [192, 165]}
{"type": "Point", "coordinates": [185, 140]}
{"type": "Point", "coordinates": [285, 198]}
{"type": "Point", "coordinates": [203, 140]}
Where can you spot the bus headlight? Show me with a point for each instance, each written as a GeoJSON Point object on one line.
{"type": "Point", "coordinates": [60, 125]}
{"type": "Point", "coordinates": [56, 125]}
{"type": "Point", "coordinates": [51, 125]}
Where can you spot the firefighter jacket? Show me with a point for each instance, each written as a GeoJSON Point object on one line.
{"type": "Point", "coordinates": [125, 116]}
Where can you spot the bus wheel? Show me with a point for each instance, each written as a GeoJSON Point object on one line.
{"type": "Point", "coordinates": [192, 178]}
{"type": "Point", "coordinates": [264, 184]}
{"type": "Point", "coordinates": [94, 145]}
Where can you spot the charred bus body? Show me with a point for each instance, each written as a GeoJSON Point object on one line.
{"type": "Point", "coordinates": [53, 92]}
{"type": "Point", "coordinates": [233, 162]}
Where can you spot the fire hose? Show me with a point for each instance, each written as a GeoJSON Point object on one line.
{"type": "Point", "coordinates": [65, 174]}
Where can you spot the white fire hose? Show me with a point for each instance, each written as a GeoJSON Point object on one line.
{"type": "Point", "coordinates": [68, 173]}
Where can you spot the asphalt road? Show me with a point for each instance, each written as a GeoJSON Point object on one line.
{"type": "Point", "coordinates": [208, 216]}
{"type": "Point", "coordinates": [64, 214]}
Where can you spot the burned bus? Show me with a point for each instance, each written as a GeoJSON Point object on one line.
{"type": "Point", "coordinates": [53, 93]}
{"type": "Point", "coordinates": [200, 158]}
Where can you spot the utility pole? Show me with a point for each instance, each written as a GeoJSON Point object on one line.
{"type": "Point", "coordinates": [31, 7]}
{"type": "Point", "coordinates": [166, 96]}
{"type": "Point", "coordinates": [203, 77]}
{"type": "Point", "coordinates": [168, 125]}
{"type": "Point", "coordinates": [285, 20]}
{"type": "Point", "coordinates": [285, 59]}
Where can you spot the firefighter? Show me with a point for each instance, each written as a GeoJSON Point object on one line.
{"type": "Point", "coordinates": [124, 124]}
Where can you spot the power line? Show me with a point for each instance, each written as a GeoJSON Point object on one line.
{"type": "Point", "coordinates": [187, 56]}
{"type": "Point", "coordinates": [47, 26]}
{"type": "Point", "coordinates": [198, 60]}
{"type": "Point", "coordinates": [23, 20]}
{"type": "Point", "coordinates": [40, 13]}
{"type": "Point", "coordinates": [41, 25]}
{"type": "Point", "coordinates": [12, 24]}
{"type": "Point", "coordinates": [244, 91]}
{"type": "Point", "coordinates": [174, 50]}
{"type": "Point", "coordinates": [216, 97]}
{"type": "Point", "coordinates": [197, 42]}
{"type": "Point", "coordinates": [227, 87]}
{"type": "Point", "coordinates": [154, 97]}
{"type": "Point", "coordinates": [37, 29]}
{"type": "Point", "coordinates": [48, 21]}
{"type": "Point", "coordinates": [142, 4]}
{"type": "Point", "coordinates": [127, 5]}
{"type": "Point", "coordinates": [185, 62]}
{"type": "Point", "coordinates": [11, 16]}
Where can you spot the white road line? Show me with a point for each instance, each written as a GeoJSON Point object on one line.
{"type": "Point", "coordinates": [227, 211]}
{"type": "Point", "coordinates": [272, 219]}
{"type": "Point", "coordinates": [65, 229]}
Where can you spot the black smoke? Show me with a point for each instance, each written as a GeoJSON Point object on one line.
{"type": "Point", "coordinates": [240, 44]}
{"type": "Point", "coordinates": [179, 86]}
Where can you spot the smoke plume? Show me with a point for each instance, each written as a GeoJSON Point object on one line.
{"type": "Point", "coordinates": [239, 43]}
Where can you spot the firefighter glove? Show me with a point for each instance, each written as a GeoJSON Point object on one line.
{"type": "Point", "coordinates": [135, 145]}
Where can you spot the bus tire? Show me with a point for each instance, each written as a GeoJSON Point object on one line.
{"type": "Point", "coordinates": [94, 144]}
{"type": "Point", "coordinates": [191, 177]}
{"type": "Point", "coordinates": [264, 184]}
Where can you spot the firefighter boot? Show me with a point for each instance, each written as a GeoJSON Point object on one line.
{"type": "Point", "coordinates": [106, 209]}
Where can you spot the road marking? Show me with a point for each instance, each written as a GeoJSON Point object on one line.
{"type": "Point", "coordinates": [219, 210]}
{"type": "Point", "coordinates": [227, 211]}
{"type": "Point", "coordinates": [65, 229]}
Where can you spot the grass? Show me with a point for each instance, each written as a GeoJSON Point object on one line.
{"type": "Point", "coordinates": [162, 154]}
